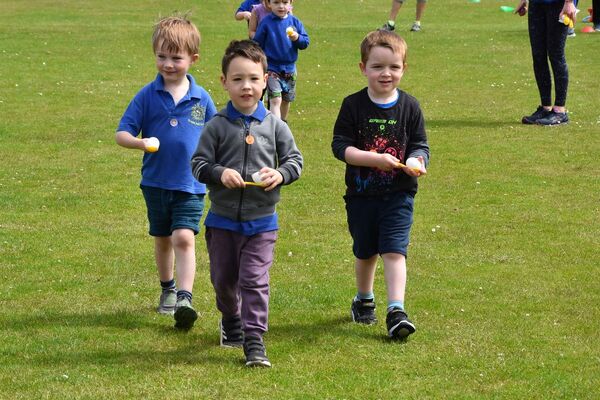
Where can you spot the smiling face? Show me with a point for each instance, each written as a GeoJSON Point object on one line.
{"type": "Point", "coordinates": [173, 65]}
{"type": "Point", "coordinates": [245, 81]}
{"type": "Point", "coordinates": [281, 8]}
{"type": "Point", "coordinates": [383, 70]}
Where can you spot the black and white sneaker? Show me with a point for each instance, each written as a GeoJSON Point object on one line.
{"type": "Point", "coordinates": [540, 113]}
{"type": "Point", "coordinates": [398, 324]}
{"type": "Point", "coordinates": [231, 332]}
{"type": "Point", "coordinates": [254, 350]}
{"type": "Point", "coordinates": [363, 311]}
{"type": "Point", "coordinates": [416, 27]}
{"type": "Point", "coordinates": [387, 27]}
{"type": "Point", "coordinates": [554, 118]}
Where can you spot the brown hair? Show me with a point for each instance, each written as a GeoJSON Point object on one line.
{"type": "Point", "coordinates": [176, 34]}
{"type": "Point", "coordinates": [243, 48]}
{"type": "Point", "coordinates": [382, 38]}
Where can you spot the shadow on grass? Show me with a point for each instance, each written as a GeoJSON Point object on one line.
{"type": "Point", "coordinates": [118, 337]}
{"type": "Point", "coordinates": [336, 329]}
{"type": "Point", "coordinates": [120, 319]}
{"type": "Point", "coordinates": [473, 123]}
{"type": "Point", "coordinates": [148, 343]}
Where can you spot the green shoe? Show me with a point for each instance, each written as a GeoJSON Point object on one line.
{"type": "Point", "coordinates": [166, 303]}
{"type": "Point", "coordinates": [185, 315]}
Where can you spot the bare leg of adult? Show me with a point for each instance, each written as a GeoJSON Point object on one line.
{"type": "Point", "coordinates": [396, 5]}
{"type": "Point", "coordinates": [420, 9]}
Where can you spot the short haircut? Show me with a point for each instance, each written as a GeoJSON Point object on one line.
{"type": "Point", "coordinates": [382, 38]}
{"type": "Point", "coordinates": [243, 48]}
{"type": "Point", "coordinates": [176, 34]}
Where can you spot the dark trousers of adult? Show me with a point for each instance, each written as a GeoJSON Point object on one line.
{"type": "Point", "coordinates": [547, 37]}
{"type": "Point", "coordinates": [596, 11]}
{"type": "Point", "coordinates": [239, 272]}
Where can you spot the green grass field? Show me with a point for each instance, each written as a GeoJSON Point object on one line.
{"type": "Point", "coordinates": [504, 260]}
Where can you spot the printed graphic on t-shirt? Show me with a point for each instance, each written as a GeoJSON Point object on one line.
{"type": "Point", "coordinates": [380, 136]}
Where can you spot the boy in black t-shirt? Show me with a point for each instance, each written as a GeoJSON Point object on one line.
{"type": "Point", "coordinates": [380, 134]}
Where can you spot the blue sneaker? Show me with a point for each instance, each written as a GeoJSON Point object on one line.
{"type": "Point", "coordinates": [554, 118]}
{"type": "Point", "coordinates": [540, 113]}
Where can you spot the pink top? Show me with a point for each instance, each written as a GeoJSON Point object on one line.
{"type": "Point", "coordinates": [262, 11]}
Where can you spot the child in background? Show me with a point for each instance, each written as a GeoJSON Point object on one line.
{"type": "Point", "coordinates": [241, 142]}
{"type": "Point", "coordinates": [396, 5]}
{"type": "Point", "coordinates": [281, 35]}
{"type": "Point", "coordinates": [258, 13]}
{"type": "Point", "coordinates": [245, 9]}
{"type": "Point", "coordinates": [378, 128]}
{"type": "Point", "coordinates": [174, 109]}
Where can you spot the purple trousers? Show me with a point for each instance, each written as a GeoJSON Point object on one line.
{"type": "Point", "coordinates": [239, 272]}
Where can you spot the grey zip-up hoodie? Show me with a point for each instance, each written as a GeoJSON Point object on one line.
{"type": "Point", "coordinates": [223, 145]}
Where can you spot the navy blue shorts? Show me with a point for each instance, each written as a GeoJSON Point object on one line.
{"type": "Point", "coordinates": [380, 224]}
{"type": "Point", "coordinates": [171, 209]}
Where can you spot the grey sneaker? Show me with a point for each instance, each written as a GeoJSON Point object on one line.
{"type": "Point", "coordinates": [185, 315]}
{"type": "Point", "coordinates": [571, 32]}
{"type": "Point", "coordinates": [415, 27]}
{"type": "Point", "coordinates": [398, 324]}
{"type": "Point", "coordinates": [166, 303]}
{"type": "Point", "coordinates": [363, 312]}
{"type": "Point", "coordinates": [254, 350]}
{"type": "Point", "coordinates": [231, 332]}
{"type": "Point", "coordinates": [387, 27]}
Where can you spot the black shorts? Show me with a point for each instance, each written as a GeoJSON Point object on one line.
{"type": "Point", "coordinates": [380, 224]}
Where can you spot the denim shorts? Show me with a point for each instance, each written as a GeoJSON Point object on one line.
{"type": "Point", "coordinates": [282, 85]}
{"type": "Point", "coordinates": [169, 210]}
{"type": "Point", "coordinates": [380, 224]}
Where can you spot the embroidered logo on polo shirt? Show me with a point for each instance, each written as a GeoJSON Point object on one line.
{"type": "Point", "coordinates": [198, 115]}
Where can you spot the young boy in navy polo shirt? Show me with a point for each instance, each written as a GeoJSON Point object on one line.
{"type": "Point", "coordinates": [172, 109]}
{"type": "Point", "coordinates": [244, 143]}
{"type": "Point", "coordinates": [281, 35]}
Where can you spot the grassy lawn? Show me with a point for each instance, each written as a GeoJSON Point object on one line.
{"type": "Point", "coordinates": [504, 261]}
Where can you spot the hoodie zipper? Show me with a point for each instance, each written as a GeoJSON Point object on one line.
{"type": "Point", "coordinates": [244, 165]}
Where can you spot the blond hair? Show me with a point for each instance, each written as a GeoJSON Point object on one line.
{"type": "Point", "coordinates": [385, 39]}
{"type": "Point", "coordinates": [176, 34]}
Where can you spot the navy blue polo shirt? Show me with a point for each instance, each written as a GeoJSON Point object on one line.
{"type": "Point", "coordinates": [178, 127]}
